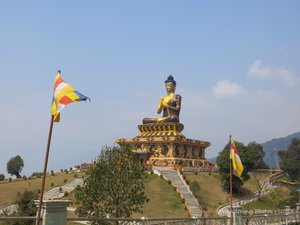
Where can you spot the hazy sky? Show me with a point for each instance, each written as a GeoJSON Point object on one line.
{"type": "Point", "coordinates": [236, 63]}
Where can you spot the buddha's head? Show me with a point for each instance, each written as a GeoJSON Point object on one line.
{"type": "Point", "coordinates": [170, 84]}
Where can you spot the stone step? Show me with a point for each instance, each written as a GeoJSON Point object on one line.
{"type": "Point", "coordinates": [176, 180]}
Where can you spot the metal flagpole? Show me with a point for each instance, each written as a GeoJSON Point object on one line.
{"type": "Point", "coordinates": [231, 197]}
{"type": "Point", "coordinates": [45, 171]}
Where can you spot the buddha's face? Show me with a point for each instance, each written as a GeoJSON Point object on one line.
{"type": "Point", "coordinates": [170, 87]}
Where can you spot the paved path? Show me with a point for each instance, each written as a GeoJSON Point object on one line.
{"type": "Point", "coordinates": [177, 181]}
{"type": "Point", "coordinates": [266, 185]}
{"type": "Point", "coordinates": [58, 191]}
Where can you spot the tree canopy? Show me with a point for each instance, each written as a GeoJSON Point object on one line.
{"type": "Point", "coordinates": [114, 186]}
{"type": "Point", "coordinates": [252, 158]}
{"type": "Point", "coordinates": [15, 166]}
{"type": "Point", "coordinates": [291, 159]}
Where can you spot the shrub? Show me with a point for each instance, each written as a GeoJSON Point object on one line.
{"type": "Point", "coordinates": [37, 174]}
{"type": "Point", "coordinates": [61, 170]}
{"type": "Point", "coordinates": [66, 193]}
{"type": "Point", "coordinates": [24, 178]}
{"type": "Point", "coordinates": [187, 181]}
{"type": "Point", "coordinates": [65, 180]}
{"type": "Point", "coordinates": [196, 173]}
{"type": "Point", "coordinates": [71, 168]}
{"type": "Point", "coordinates": [10, 179]}
{"type": "Point", "coordinates": [75, 176]}
{"type": "Point", "coordinates": [2, 177]}
{"type": "Point", "coordinates": [184, 176]}
{"type": "Point", "coordinates": [169, 182]}
{"type": "Point", "coordinates": [52, 184]}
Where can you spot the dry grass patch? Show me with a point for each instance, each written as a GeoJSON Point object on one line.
{"type": "Point", "coordinates": [211, 190]}
{"type": "Point", "coordinates": [9, 190]}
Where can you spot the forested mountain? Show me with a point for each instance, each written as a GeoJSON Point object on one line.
{"type": "Point", "coordinates": [272, 147]}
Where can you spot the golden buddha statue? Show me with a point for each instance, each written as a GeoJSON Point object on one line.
{"type": "Point", "coordinates": [169, 104]}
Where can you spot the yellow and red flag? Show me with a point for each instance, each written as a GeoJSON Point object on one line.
{"type": "Point", "coordinates": [63, 94]}
{"type": "Point", "coordinates": [237, 165]}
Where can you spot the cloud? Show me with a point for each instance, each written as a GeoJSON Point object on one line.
{"type": "Point", "coordinates": [259, 70]}
{"type": "Point", "coordinates": [226, 88]}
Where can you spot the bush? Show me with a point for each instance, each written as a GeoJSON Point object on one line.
{"type": "Point", "coordinates": [187, 181]}
{"type": "Point", "coordinates": [61, 170]}
{"type": "Point", "coordinates": [65, 180]}
{"type": "Point", "coordinates": [71, 168]}
{"type": "Point", "coordinates": [169, 182]}
{"type": "Point", "coordinates": [66, 193]}
{"type": "Point", "coordinates": [196, 173]}
{"type": "Point", "coordinates": [10, 180]}
{"type": "Point", "coordinates": [75, 176]}
{"type": "Point", "coordinates": [24, 178]}
{"type": "Point", "coordinates": [184, 177]}
{"type": "Point", "coordinates": [52, 184]}
{"type": "Point", "coordinates": [2, 177]}
{"type": "Point", "coordinates": [52, 173]}
{"type": "Point", "coordinates": [37, 174]}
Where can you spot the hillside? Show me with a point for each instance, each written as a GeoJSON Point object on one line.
{"type": "Point", "coordinates": [164, 200]}
{"type": "Point", "coordinates": [272, 147]}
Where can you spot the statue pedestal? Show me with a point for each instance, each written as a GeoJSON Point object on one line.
{"type": "Point", "coordinates": [163, 144]}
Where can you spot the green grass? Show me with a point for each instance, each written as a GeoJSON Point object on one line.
{"type": "Point", "coordinates": [212, 193]}
{"type": "Point", "coordinates": [164, 200]}
{"type": "Point", "coordinates": [260, 204]}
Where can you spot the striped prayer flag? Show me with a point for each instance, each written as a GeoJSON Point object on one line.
{"type": "Point", "coordinates": [237, 165]}
{"type": "Point", "coordinates": [63, 94]}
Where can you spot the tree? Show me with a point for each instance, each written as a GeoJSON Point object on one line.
{"type": "Point", "coordinates": [224, 168]}
{"type": "Point", "coordinates": [252, 158]}
{"type": "Point", "coordinates": [291, 159]}
{"type": "Point", "coordinates": [2, 177]}
{"type": "Point", "coordinates": [26, 207]}
{"type": "Point", "coordinates": [15, 166]}
{"type": "Point", "coordinates": [114, 185]}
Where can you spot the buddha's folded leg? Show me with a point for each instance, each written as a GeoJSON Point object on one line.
{"type": "Point", "coordinates": [150, 120]}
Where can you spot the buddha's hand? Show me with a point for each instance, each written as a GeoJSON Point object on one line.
{"type": "Point", "coordinates": [163, 103]}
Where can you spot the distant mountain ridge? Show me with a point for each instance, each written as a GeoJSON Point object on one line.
{"type": "Point", "coordinates": [272, 147]}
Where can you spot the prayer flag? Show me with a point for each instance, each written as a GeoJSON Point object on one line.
{"type": "Point", "coordinates": [63, 94]}
{"type": "Point", "coordinates": [237, 165]}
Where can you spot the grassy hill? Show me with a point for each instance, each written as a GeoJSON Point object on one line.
{"type": "Point", "coordinates": [164, 200]}
{"type": "Point", "coordinates": [9, 190]}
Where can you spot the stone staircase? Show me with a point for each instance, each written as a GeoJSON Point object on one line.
{"type": "Point", "coordinates": [177, 181]}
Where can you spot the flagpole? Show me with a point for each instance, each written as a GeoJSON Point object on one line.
{"type": "Point", "coordinates": [231, 197]}
{"type": "Point", "coordinates": [45, 171]}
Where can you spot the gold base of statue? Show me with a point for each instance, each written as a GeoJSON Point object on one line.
{"type": "Point", "coordinates": [163, 144]}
